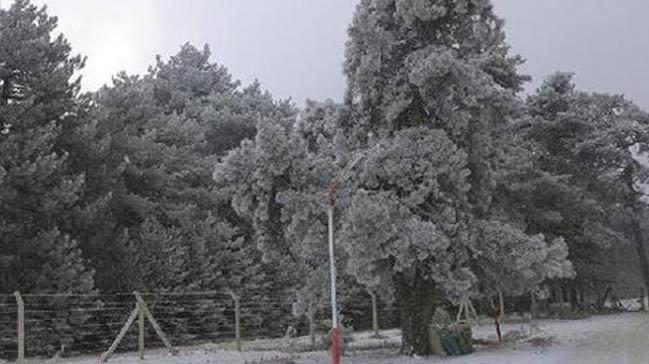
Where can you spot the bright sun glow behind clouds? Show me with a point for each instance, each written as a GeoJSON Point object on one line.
{"type": "Point", "coordinates": [296, 47]}
{"type": "Point", "coordinates": [293, 47]}
{"type": "Point", "coordinates": [116, 35]}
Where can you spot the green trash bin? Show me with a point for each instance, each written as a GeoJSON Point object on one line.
{"type": "Point", "coordinates": [450, 343]}
{"type": "Point", "coordinates": [456, 340]}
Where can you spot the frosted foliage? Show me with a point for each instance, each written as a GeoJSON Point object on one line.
{"type": "Point", "coordinates": [515, 262]}
{"type": "Point", "coordinates": [278, 185]}
{"type": "Point", "coordinates": [411, 10]}
{"type": "Point", "coordinates": [462, 39]}
{"type": "Point", "coordinates": [431, 89]}
{"type": "Point", "coordinates": [248, 173]}
{"type": "Point", "coordinates": [316, 124]}
{"type": "Point", "coordinates": [305, 232]}
{"type": "Point", "coordinates": [65, 269]}
{"type": "Point", "coordinates": [405, 209]}
{"type": "Point", "coordinates": [420, 163]}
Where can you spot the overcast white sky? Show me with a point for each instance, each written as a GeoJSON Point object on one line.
{"type": "Point", "coordinates": [295, 47]}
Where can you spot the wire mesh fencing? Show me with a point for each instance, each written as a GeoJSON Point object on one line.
{"type": "Point", "coordinates": [8, 326]}
{"type": "Point", "coordinates": [65, 325]}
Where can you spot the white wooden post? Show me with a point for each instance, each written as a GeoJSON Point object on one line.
{"type": "Point", "coordinates": [140, 341]}
{"type": "Point", "coordinates": [459, 312]}
{"type": "Point", "coordinates": [21, 327]}
{"type": "Point", "coordinates": [142, 305]}
{"type": "Point", "coordinates": [473, 311]}
{"type": "Point", "coordinates": [120, 336]}
{"type": "Point", "coordinates": [141, 310]}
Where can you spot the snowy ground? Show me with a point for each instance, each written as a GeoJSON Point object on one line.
{"type": "Point", "coordinates": [613, 339]}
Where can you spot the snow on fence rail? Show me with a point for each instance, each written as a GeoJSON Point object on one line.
{"type": "Point", "coordinates": [72, 324]}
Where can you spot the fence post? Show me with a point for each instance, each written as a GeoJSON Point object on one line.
{"type": "Point", "coordinates": [460, 309]}
{"type": "Point", "coordinates": [375, 314]}
{"type": "Point", "coordinates": [120, 336]}
{"type": "Point", "coordinates": [140, 331]}
{"type": "Point", "coordinates": [21, 327]}
{"type": "Point", "coordinates": [312, 326]}
{"type": "Point", "coordinates": [142, 305]}
{"type": "Point", "coordinates": [534, 307]}
{"type": "Point", "coordinates": [237, 318]}
{"type": "Point", "coordinates": [642, 304]}
{"type": "Point", "coordinates": [473, 310]}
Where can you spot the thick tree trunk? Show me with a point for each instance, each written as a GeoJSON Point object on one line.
{"type": "Point", "coordinates": [417, 299]}
{"type": "Point", "coordinates": [534, 307]}
{"type": "Point", "coordinates": [634, 203]}
{"type": "Point", "coordinates": [639, 242]}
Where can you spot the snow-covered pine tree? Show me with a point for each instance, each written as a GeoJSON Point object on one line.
{"type": "Point", "coordinates": [591, 141]}
{"type": "Point", "coordinates": [278, 185]}
{"type": "Point", "coordinates": [37, 95]}
{"type": "Point", "coordinates": [511, 262]}
{"type": "Point", "coordinates": [431, 85]}
{"type": "Point", "coordinates": [165, 131]}
{"type": "Point", "coordinates": [38, 189]}
{"type": "Point", "coordinates": [404, 228]}
{"type": "Point", "coordinates": [64, 271]}
{"type": "Point", "coordinates": [189, 84]}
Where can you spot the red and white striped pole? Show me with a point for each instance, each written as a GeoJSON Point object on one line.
{"type": "Point", "coordinates": [335, 331]}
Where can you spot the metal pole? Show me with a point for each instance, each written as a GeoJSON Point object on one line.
{"type": "Point", "coordinates": [332, 268]}
{"type": "Point", "coordinates": [336, 341]}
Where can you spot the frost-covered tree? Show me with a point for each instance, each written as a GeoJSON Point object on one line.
{"type": "Point", "coordinates": [268, 185]}
{"type": "Point", "coordinates": [404, 225]}
{"type": "Point", "coordinates": [431, 88]}
{"type": "Point", "coordinates": [40, 250]}
{"type": "Point", "coordinates": [278, 183]}
{"type": "Point", "coordinates": [157, 258]}
{"type": "Point", "coordinates": [38, 189]}
{"type": "Point", "coordinates": [512, 262]}
{"type": "Point", "coordinates": [593, 141]}
{"type": "Point", "coordinates": [190, 83]}
{"type": "Point", "coordinates": [161, 135]}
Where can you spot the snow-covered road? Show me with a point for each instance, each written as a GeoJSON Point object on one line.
{"type": "Point", "coordinates": [615, 339]}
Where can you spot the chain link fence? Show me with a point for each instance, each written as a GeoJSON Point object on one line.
{"type": "Point", "coordinates": [66, 325]}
